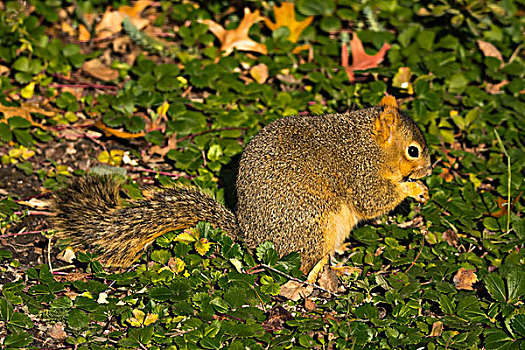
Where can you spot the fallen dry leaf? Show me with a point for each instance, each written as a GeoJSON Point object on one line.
{"type": "Point", "coordinates": [437, 329]}
{"type": "Point", "coordinates": [490, 50]}
{"type": "Point", "coordinates": [25, 111]}
{"type": "Point", "coordinates": [464, 279]}
{"type": "Point", "coordinates": [360, 60]}
{"type": "Point", "coordinates": [285, 17]}
{"type": "Point", "coordinates": [328, 279]}
{"type": "Point", "coordinates": [294, 290]}
{"type": "Point", "coordinates": [277, 319]}
{"type": "Point", "coordinates": [451, 237]}
{"type": "Point", "coordinates": [136, 9]}
{"type": "Point", "coordinates": [494, 89]}
{"type": "Point", "coordinates": [259, 73]}
{"type": "Point", "coordinates": [237, 38]}
{"type": "Point", "coordinates": [57, 331]}
{"type": "Point", "coordinates": [118, 133]}
{"type": "Point", "coordinates": [99, 70]}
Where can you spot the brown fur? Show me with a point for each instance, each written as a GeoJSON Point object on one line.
{"type": "Point", "coordinates": [304, 182]}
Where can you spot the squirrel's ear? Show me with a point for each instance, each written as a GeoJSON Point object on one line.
{"type": "Point", "coordinates": [387, 121]}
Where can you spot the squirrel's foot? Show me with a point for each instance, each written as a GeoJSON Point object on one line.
{"type": "Point", "coordinates": [316, 270]}
{"type": "Point", "coordinates": [416, 190]}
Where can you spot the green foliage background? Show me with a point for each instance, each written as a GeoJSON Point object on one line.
{"type": "Point", "coordinates": [406, 286]}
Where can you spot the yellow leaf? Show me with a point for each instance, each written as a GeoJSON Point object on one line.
{"type": "Point", "coordinates": [139, 314]}
{"type": "Point", "coordinates": [28, 90]}
{"type": "Point", "coordinates": [237, 38]}
{"type": "Point", "coordinates": [259, 73]}
{"type": "Point", "coordinates": [103, 157]}
{"type": "Point", "coordinates": [151, 318]}
{"type": "Point", "coordinates": [402, 79]}
{"type": "Point", "coordinates": [202, 246]}
{"type": "Point", "coordinates": [163, 108]}
{"type": "Point", "coordinates": [176, 265]}
{"type": "Point", "coordinates": [138, 319]}
{"type": "Point", "coordinates": [185, 237]}
{"type": "Point", "coordinates": [285, 17]}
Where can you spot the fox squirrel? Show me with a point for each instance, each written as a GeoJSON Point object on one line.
{"type": "Point", "coordinates": [304, 182]}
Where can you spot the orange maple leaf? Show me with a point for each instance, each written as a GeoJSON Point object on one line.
{"type": "Point", "coordinates": [285, 17]}
{"type": "Point", "coordinates": [237, 38]}
{"type": "Point", "coordinates": [120, 134]}
{"type": "Point", "coordinates": [360, 60]}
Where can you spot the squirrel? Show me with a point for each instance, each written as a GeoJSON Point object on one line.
{"type": "Point", "coordinates": [303, 183]}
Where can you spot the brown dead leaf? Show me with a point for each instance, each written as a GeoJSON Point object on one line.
{"type": "Point", "coordinates": [4, 70]}
{"type": "Point", "coordinates": [136, 9]}
{"type": "Point", "coordinates": [277, 319]}
{"type": "Point", "coordinates": [294, 290]}
{"type": "Point", "coordinates": [503, 207]}
{"type": "Point", "coordinates": [437, 329]}
{"type": "Point", "coordinates": [25, 111]}
{"type": "Point", "coordinates": [83, 33]}
{"type": "Point", "coordinates": [120, 134]}
{"type": "Point", "coordinates": [285, 17]}
{"type": "Point", "coordinates": [57, 331]}
{"type": "Point", "coordinates": [490, 50]}
{"type": "Point", "coordinates": [309, 304]}
{"type": "Point", "coordinates": [111, 23]}
{"type": "Point", "coordinates": [360, 60]}
{"type": "Point", "coordinates": [237, 38]}
{"type": "Point", "coordinates": [162, 151]}
{"type": "Point", "coordinates": [66, 28]}
{"type": "Point", "coordinates": [259, 73]}
{"type": "Point", "coordinates": [464, 279]}
{"type": "Point", "coordinates": [99, 70]}
{"type": "Point", "coordinates": [451, 237]}
{"type": "Point", "coordinates": [494, 89]}
{"type": "Point", "coordinates": [328, 279]}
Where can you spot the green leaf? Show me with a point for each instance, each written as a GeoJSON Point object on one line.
{"type": "Point", "coordinates": [5, 132]}
{"type": "Point", "coordinates": [516, 285]}
{"type": "Point", "coordinates": [21, 64]}
{"type": "Point", "coordinates": [447, 305]}
{"type": "Point", "coordinates": [24, 137]}
{"type": "Point", "coordinates": [18, 340]}
{"type": "Point", "coordinates": [6, 310]}
{"type": "Point", "coordinates": [77, 319]}
{"type": "Point", "coordinates": [330, 24]}
{"type": "Point", "coordinates": [497, 339]}
{"type": "Point", "coordinates": [518, 325]}
{"type": "Point", "coordinates": [495, 286]}
{"type": "Point", "coordinates": [315, 7]}
{"type": "Point", "coordinates": [160, 293]}
{"type": "Point", "coordinates": [20, 320]}
{"type": "Point", "coordinates": [19, 122]}
{"type": "Point", "coordinates": [135, 124]}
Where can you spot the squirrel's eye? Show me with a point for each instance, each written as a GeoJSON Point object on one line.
{"type": "Point", "coordinates": [412, 152]}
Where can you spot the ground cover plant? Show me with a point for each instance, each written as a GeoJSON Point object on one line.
{"type": "Point", "coordinates": [163, 92]}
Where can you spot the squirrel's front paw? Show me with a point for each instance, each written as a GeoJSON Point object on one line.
{"type": "Point", "coordinates": [416, 190]}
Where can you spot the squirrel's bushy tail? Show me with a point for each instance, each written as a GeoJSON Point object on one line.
{"type": "Point", "coordinates": [90, 215]}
